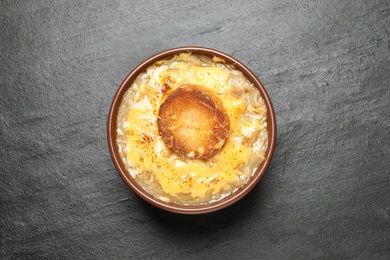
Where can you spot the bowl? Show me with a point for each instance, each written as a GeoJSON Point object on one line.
{"type": "Point", "coordinates": [176, 207]}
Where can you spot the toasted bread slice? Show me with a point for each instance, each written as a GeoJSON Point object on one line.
{"type": "Point", "coordinates": [193, 123]}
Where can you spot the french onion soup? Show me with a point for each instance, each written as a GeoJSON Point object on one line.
{"type": "Point", "coordinates": [192, 129]}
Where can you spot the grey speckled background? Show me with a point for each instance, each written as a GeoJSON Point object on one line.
{"type": "Point", "coordinates": [325, 64]}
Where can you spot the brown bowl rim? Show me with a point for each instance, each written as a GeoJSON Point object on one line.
{"type": "Point", "coordinates": [177, 208]}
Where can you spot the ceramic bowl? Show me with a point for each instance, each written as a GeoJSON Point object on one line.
{"type": "Point", "coordinates": [178, 208]}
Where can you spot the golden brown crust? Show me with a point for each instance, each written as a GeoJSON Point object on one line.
{"type": "Point", "coordinates": [193, 123]}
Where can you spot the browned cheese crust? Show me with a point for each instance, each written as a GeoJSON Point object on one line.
{"type": "Point", "coordinates": [193, 123]}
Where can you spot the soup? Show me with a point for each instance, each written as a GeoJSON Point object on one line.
{"type": "Point", "coordinates": [192, 129]}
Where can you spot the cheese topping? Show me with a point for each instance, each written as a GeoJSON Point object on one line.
{"type": "Point", "coordinates": [183, 180]}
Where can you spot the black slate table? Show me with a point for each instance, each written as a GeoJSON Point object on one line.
{"type": "Point", "coordinates": [325, 64]}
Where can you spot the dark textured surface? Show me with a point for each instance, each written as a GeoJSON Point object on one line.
{"type": "Point", "coordinates": [325, 64]}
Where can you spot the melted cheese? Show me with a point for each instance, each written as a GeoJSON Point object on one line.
{"type": "Point", "coordinates": [156, 166]}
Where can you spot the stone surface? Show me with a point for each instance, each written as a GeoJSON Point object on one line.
{"type": "Point", "coordinates": [325, 64]}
